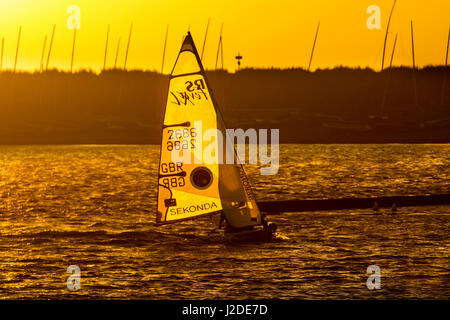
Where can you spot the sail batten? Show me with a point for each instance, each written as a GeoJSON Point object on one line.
{"type": "Point", "coordinates": [185, 74]}
{"type": "Point", "coordinates": [192, 186]}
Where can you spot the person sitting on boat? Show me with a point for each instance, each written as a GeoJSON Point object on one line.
{"type": "Point", "coordinates": [263, 220]}
{"type": "Point", "coordinates": [266, 224]}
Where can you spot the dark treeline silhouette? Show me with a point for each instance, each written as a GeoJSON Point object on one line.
{"type": "Point", "coordinates": [339, 105]}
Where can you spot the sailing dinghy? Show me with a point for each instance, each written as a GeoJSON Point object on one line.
{"type": "Point", "coordinates": [191, 185]}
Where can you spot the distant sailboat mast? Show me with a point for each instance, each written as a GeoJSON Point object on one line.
{"type": "Point", "coordinates": [117, 53]}
{"type": "Point", "coordinates": [386, 35]}
{"type": "Point", "coordinates": [219, 49]}
{"type": "Point", "coordinates": [128, 48]}
{"type": "Point", "coordinates": [386, 89]}
{"type": "Point", "coordinates": [393, 51]}
{"type": "Point", "coordinates": [444, 81]}
{"type": "Point", "coordinates": [41, 65]}
{"type": "Point", "coordinates": [17, 49]}
{"type": "Point", "coordinates": [164, 50]}
{"type": "Point", "coordinates": [1, 55]}
{"type": "Point", "coordinates": [204, 40]}
{"type": "Point", "coordinates": [50, 47]}
{"type": "Point", "coordinates": [414, 67]}
{"type": "Point", "coordinates": [73, 48]}
{"type": "Point", "coordinates": [106, 47]}
{"type": "Point", "coordinates": [314, 46]}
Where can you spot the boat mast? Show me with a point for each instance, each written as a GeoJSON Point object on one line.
{"type": "Point", "coordinates": [219, 49]}
{"type": "Point", "coordinates": [414, 66]}
{"type": "Point", "coordinates": [117, 53]}
{"type": "Point", "coordinates": [388, 79]}
{"type": "Point", "coordinates": [314, 46]}
{"type": "Point", "coordinates": [204, 40]}
{"type": "Point", "coordinates": [128, 47]}
{"type": "Point", "coordinates": [1, 56]}
{"type": "Point", "coordinates": [41, 66]}
{"type": "Point", "coordinates": [444, 82]}
{"type": "Point", "coordinates": [106, 47]}
{"type": "Point", "coordinates": [73, 48]}
{"type": "Point", "coordinates": [393, 51]}
{"type": "Point", "coordinates": [17, 49]}
{"type": "Point", "coordinates": [221, 52]}
{"type": "Point", "coordinates": [164, 50]}
{"type": "Point", "coordinates": [386, 36]}
{"type": "Point", "coordinates": [50, 47]}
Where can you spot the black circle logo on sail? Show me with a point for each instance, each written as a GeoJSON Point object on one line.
{"type": "Point", "coordinates": [201, 177]}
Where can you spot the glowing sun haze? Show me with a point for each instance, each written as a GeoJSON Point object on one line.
{"type": "Point", "coordinates": [266, 33]}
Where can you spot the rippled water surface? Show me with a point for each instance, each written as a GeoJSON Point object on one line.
{"type": "Point", "coordinates": [93, 206]}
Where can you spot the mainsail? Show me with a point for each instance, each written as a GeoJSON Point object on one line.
{"type": "Point", "coordinates": [190, 185]}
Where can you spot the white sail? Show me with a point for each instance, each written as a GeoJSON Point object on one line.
{"type": "Point", "coordinates": [191, 186]}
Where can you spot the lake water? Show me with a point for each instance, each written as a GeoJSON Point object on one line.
{"type": "Point", "coordinates": [94, 207]}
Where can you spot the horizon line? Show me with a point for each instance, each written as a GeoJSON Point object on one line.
{"type": "Point", "coordinates": [142, 70]}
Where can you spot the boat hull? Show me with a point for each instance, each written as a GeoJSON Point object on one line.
{"type": "Point", "coordinates": [256, 235]}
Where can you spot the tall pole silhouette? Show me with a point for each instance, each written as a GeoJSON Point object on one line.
{"type": "Point", "coordinates": [393, 51]}
{"type": "Point", "coordinates": [106, 48]}
{"type": "Point", "coordinates": [164, 50]}
{"type": "Point", "coordinates": [17, 48]}
{"type": "Point", "coordinates": [50, 47]}
{"type": "Point", "coordinates": [414, 66]}
{"type": "Point", "coordinates": [128, 48]}
{"type": "Point", "coordinates": [219, 48]}
{"type": "Point", "coordinates": [204, 40]}
{"type": "Point", "coordinates": [444, 82]}
{"type": "Point", "coordinates": [386, 36]}
{"type": "Point", "coordinates": [41, 66]}
{"type": "Point", "coordinates": [314, 46]}
{"type": "Point", "coordinates": [1, 54]}
{"type": "Point", "coordinates": [221, 51]}
{"type": "Point", "coordinates": [388, 79]}
{"type": "Point", "coordinates": [73, 49]}
{"type": "Point", "coordinates": [412, 47]}
{"type": "Point", "coordinates": [117, 54]}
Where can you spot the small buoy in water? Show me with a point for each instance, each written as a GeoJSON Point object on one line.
{"type": "Point", "coordinates": [375, 207]}
{"type": "Point", "coordinates": [394, 208]}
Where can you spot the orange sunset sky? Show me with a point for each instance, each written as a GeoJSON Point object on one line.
{"type": "Point", "coordinates": [266, 33]}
